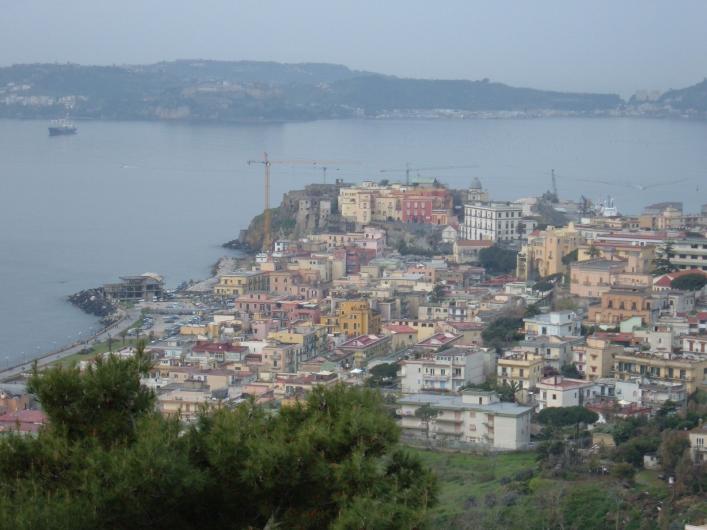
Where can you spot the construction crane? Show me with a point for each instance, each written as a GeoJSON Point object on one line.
{"type": "Point", "coordinates": [409, 169]}
{"type": "Point", "coordinates": [266, 162]}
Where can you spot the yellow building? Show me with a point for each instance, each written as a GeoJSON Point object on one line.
{"type": "Point", "coordinates": [240, 283]}
{"type": "Point", "coordinates": [424, 328]}
{"type": "Point", "coordinates": [637, 258]}
{"type": "Point", "coordinates": [312, 339]}
{"type": "Point", "coordinates": [356, 204]}
{"type": "Point", "coordinates": [542, 255]}
{"type": "Point", "coordinates": [691, 370]}
{"type": "Point", "coordinates": [599, 357]}
{"type": "Point", "coordinates": [353, 318]}
{"type": "Point", "coordinates": [521, 369]}
{"type": "Point", "coordinates": [387, 208]}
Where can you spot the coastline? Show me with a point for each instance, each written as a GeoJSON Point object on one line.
{"type": "Point", "coordinates": [125, 321]}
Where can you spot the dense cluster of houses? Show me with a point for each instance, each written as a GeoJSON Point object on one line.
{"type": "Point", "coordinates": [329, 307]}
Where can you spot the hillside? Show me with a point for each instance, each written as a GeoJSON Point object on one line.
{"type": "Point", "coordinates": [223, 91]}
{"type": "Point", "coordinates": [691, 100]}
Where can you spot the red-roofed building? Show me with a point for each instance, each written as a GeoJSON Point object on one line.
{"type": "Point", "coordinates": [364, 347]}
{"type": "Point", "coordinates": [559, 391]}
{"type": "Point", "coordinates": [697, 323]}
{"type": "Point", "coordinates": [499, 281]}
{"type": "Point", "coordinates": [470, 332]}
{"type": "Point", "coordinates": [219, 351]}
{"type": "Point", "coordinates": [23, 421]}
{"type": "Point", "coordinates": [439, 341]}
{"type": "Point", "coordinates": [401, 336]}
{"type": "Point", "coordinates": [664, 282]}
{"type": "Point", "coordinates": [290, 385]}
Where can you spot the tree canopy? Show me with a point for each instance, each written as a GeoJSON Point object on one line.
{"type": "Point", "coordinates": [497, 260]}
{"type": "Point", "coordinates": [328, 462]}
{"type": "Point", "coordinates": [564, 416]}
{"type": "Point", "coordinates": [662, 263]}
{"type": "Point", "coordinates": [689, 282]}
{"type": "Point", "coordinates": [502, 331]}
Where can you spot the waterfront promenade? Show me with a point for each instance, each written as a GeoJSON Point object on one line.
{"type": "Point", "coordinates": [126, 321]}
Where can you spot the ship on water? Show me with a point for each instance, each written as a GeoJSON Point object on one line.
{"type": "Point", "coordinates": [61, 128]}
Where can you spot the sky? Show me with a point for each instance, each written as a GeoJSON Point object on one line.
{"type": "Point", "coordinates": [616, 46]}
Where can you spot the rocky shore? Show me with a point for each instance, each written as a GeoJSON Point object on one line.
{"type": "Point", "coordinates": [96, 302]}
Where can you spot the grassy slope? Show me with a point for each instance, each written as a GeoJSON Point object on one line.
{"type": "Point", "coordinates": [486, 492]}
{"type": "Point", "coordinates": [466, 479]}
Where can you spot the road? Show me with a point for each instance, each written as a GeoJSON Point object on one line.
{"type": "Point", "coordinates": [114, 330]}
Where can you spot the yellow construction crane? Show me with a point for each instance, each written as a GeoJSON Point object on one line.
{"type": "Point", "coordinates": [266, 162]}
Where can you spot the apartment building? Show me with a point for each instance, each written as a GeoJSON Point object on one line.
{"type": "Point", "coordinates": [599, 354]}
{"type": "Point", "coordinates": [523, 370]}
{"type": "Point", "coordinates": [694, 344]}
{"type": "Point", "coordinates": [556, 351]}
{"type": "Point", "coordinates": [594, 277]}
{"type": "Point", "coordinates": [424, 328]}
{"type": "Point", "coordinates": [555, 323]}
{"type": "Point", "coordinates": [353, 317]}
{"type": "Point", "coordinates": [689, 369]}
{"type": "Point", "coordinates": [638, 258]}
{"type": "Point", "coordinates": [400, 336]}
{"type": "Point", "coordinates": [364, 347]}
{"type": "Point", "coordinates": [559, 391]}
{"type": "Point", "coordinates": [446, 371]}
{"type": "Point", "coordinates": [690, 253]}
{"type": "Point", "coordinates": [475, 418]}
{"type": "Point", "coordinates": [619, 304]}
{"type": "Point", "coordinates": [542, 255]}
{"type": "Point", "coordinates": [240, 283]}
{"type": "Point", "coordinates": [493, 221]}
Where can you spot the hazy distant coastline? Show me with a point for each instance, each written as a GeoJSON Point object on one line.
{"type": "Point", "coordinates": [264, 92]}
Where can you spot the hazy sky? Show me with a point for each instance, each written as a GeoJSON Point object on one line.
{"type": "Point", "coordinates": [592, 45]}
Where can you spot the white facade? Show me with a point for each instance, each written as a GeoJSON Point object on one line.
{"type": "Point", "coordinates": [698, 444]}
{"type": "Point", "coordinates": [494, 221]}
{"type": "Point", "coordinates": [447, 370]}
{"type": "Point", "coordinates": [690, 253]}
{"type": "Point", "coordinates": [449, 234]}
{"type": "Point", "coordinates": [642, 391]}
{"type": "Point", "coordinates": [558, 391]}
{"type": "Point", "coordinates": [555, 323]}
{"type": "Point", "coordinates": [476, 417]}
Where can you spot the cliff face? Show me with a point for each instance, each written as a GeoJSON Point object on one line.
{"type": "Point", "coordinates": [301, 212]}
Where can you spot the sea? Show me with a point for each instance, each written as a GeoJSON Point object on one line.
{"type": "Point", "coordinates": [131, 197]}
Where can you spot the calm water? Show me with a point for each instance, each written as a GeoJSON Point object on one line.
{"type": "Point", "coordinates": [121, 198]}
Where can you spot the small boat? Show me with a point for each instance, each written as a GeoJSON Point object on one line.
{"type": "Point", "coordinates": [61, 128]}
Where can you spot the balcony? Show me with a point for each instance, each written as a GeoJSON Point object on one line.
{"type": "Point", "coordinates": [448, 419]}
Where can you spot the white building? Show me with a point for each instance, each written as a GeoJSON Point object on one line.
{"type": "Point", "coordinates": [559, 391]}
{"type": "Point", "coordinates": [647, 393]}
{"type": "Point", "coordinates": [555, 323]}
{"type": "Point", "coordinates": [449, 234]}
{"type": "Point", "coordinates": [475, 417]}
{"type": "Point", "coordinates": [698, 444]}
{"type": "Point", "coordinates": [690, 253]}
{"type": "Point", "coordinates": [447, 370]}
{"type": "Point", "coordinates": [494, 221]}
{"type": "Point", "coordinates": [556, 351]}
